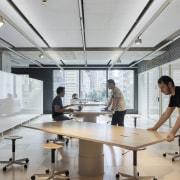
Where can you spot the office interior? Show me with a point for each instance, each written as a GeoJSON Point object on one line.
{"type": "Point", "coordinates": [79, 44]}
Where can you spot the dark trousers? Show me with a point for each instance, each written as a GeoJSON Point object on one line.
{"type": "Point", "coordinates": [118, 118]}
{"type": "Point", "coordinates": [61, 117]}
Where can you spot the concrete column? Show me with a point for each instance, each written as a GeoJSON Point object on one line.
{"type": "Point", "coordinates": [5, 62]}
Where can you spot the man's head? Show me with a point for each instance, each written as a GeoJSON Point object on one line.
{"type": "Point", "coordinates": [166, 85]}
{"type": "Point", "coordinates": [110, 83]}
{"type": "Point", "coordinates": [75, 96]}
{"type": "Point", "coordinates": [60, 91]}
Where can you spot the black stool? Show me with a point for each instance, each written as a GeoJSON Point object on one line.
{"type": "Point", "coordinates": [51, 173]}
{"type": "Point", "coordinates": [12, 160]}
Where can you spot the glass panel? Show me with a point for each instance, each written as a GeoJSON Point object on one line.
{"type": "Point", "coordinates": [153, 94]}
{"type": "Point", "coordinates": [32, 95]}
{"type": "Point", "coordinates": [68, 79]}
{"type": "Point", "coordinates": [164, 98]}
{"type": "Point", "coordinates": [143, 94]}
{"type": "Point", "coordinates": [93, 85]}
{"type": "Point", "coordinates": [20, 95]}
{"type": "Point", "coordinates": [124, 80]}
{"type": "Point", "coordinates": [175, 74]}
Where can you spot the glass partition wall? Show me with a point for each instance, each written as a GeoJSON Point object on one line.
{"type": "Point", "coordinates": [91, 84]}
{"type": "Point", "coordinates": [20, 95]}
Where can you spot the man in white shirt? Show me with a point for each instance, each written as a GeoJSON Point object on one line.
{"type": "Point", "coordinates": [117, 104]}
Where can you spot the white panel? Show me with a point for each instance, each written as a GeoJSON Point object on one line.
{"type": "Point", "coordinates": [107, 22]}
{"type": "Point", "coordinates": [58, 22]}
{"type": "Point", "coordinates": [163, 25]}
{"type": "Point", "coordinates": [10, 15]}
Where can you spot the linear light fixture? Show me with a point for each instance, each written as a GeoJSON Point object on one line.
{"type": "Point", "coordinates": [1, 21]}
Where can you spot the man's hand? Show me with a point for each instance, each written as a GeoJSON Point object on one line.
{"type": "Point", "coordinates": [69, 105]}
{"type": "Point", "coordinates": [70, 110]}
{"type": "Point", "coordinates": [105, 109]}
{"type": "Point", "coordinates": [170, 137]}
{"type": "Point", "coordinates": [152, 129]}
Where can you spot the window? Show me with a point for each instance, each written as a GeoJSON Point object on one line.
{"type": "Point", "coordinates": [68, 79]}
{"type": "Point", "coordinates": [93, 85]}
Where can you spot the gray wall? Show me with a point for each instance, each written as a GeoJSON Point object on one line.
{"type": "Point", "coordinates": [172, 54]}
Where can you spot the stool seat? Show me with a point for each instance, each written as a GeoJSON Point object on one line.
{"type": "Point", "coordinates": [52, 173]}
{"type": "Point", "coordinates": [12, 160]}
{"type": "Point", "coordinates": [13, 137]}
{"type": "Point", "coordinates": [59, 141]}
{"type": "Point", "coordinates": [52, 146]}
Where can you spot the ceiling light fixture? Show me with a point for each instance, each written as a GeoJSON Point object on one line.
{"type": "Point", "coordinates": [1, 21]}
{"type": "Point", "coordinates": [41, 55]}
{"type": "Point", "coordinates": [138, 41]}
{"type": "Point", "coordinates": [44, 2]}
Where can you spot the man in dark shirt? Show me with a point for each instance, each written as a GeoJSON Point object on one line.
{"type": "Point", "coordinates": [58, 109]}
{"type": "Point", "coordinates": [57, 106]}
{"type": "Point", "coordinates": [166, 85]}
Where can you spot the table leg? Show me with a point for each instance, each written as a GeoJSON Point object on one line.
{"type": "Point", "coordinates": [91, 158]}
{"type": "Point", "coordinates": [135, 118]}
{"type": "Point", "coordinates": [135, 175]}
{"type": "Point", "coordinates": [89, 118]}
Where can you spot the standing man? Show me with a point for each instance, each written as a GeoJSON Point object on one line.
{"type": "Point", "coordinates": [117, 104]}
{"type": "Point", "coordinates": [166, 85]}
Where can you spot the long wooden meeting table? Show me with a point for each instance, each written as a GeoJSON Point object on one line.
{"type": "Point", "coordinates": [91, 162]}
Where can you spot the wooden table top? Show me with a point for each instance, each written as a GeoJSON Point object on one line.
{"type": "Point", "coordinates": [89, 104]}
{"type": "Point", "coordinates": [93, 110]}
{"type": "Point", "coordinates": [128, 138]}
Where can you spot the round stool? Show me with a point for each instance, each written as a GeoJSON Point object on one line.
{"type": "Point", "coordinates": [52, 173]}
{"type": "Point", "coordinates": [12, 160]}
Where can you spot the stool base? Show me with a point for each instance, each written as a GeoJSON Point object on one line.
{"type": "Point", "coordinates": [12, 160]}
{"type": "Point", "coordinates": [51, 175]}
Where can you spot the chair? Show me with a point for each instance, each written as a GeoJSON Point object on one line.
{"type": "Point", "coordinates": [51, 173]}
{"type": "Point", "coordinates": [176, 154]}
{"type": "Point", "coordinates": [12, 160]}
{"type": "Point", "coordinates": [135, 175]}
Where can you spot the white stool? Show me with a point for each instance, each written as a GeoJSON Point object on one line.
{"type": "Point", "coordinates": [52, 174]}
{"type": "Point", "coordinates": [12, 160]}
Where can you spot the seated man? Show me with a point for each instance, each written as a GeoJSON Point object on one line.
{"type": "Point", "coordinates": [57, 107]}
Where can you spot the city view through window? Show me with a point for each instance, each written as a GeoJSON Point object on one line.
{"type": "Point", "coordinates": [91, 84]}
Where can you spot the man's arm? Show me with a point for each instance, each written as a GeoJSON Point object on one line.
{"type": "Point", "coordinates": [175, 128]}
{"type": "Point", "coordinates": [163, 118]}
{"type": "Point", "coordinates": [57, 108]}
{"type": "Point", "coordinates": [109, 103]}
{"type": "Point", "coordinates": [115, 101]}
